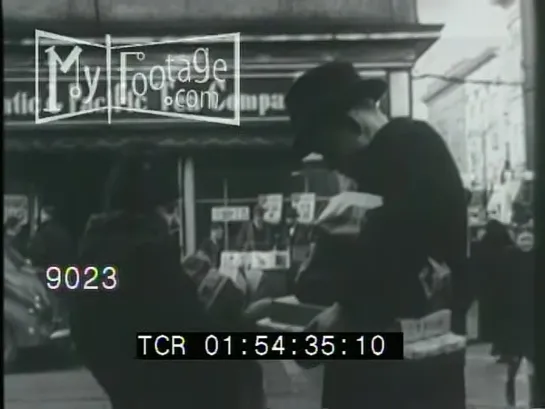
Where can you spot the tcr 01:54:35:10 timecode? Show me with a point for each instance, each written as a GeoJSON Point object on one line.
{"type": "Point", "coordinates": [88, 278]}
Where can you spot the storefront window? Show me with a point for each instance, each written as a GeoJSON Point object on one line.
{"type": "Point", "coordinates": [237, 181]}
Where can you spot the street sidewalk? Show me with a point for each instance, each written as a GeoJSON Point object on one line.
{"type": "Point", "coordinates": [288, 386]}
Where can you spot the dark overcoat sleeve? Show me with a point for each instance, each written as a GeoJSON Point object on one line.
{"type": "Point", "coordinates": [424, 215]}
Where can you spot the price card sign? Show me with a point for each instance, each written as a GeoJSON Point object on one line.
{"type": "Point", "coordinates": [262, 260]}
{"type": "Point", "coordinates": [273, 207]}
{"type": "Point", "coordinates": [305, 203]}
{"type": "Point", "coordinates": [230, 214]}
{"type": "Point", "coordinates": [16, 206]}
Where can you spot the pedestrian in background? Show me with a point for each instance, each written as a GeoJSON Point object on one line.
{"type": "Point", "coordinates": [212, 246]}
{"type": "Point", "coordinates": [21, 241]}
{"type": "Point", "coordinates": [513, 339]}
{"type": "Point", "coordinates": [490, 262]}
{"type": "Point", "coordinates": [255, 234]}
{"type": "Point", "coordinates": [287, 229]}
{"type": "Point", "coordinates": [52, 245]}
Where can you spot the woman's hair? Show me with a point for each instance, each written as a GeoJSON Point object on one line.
{"type": "Point", "coordinates": [136, 183]}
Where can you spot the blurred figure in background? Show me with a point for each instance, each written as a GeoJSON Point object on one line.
{"type": "Point", "coordinates": [513, 339]}
{"type": "Point", "coordinates": [53, 244]}
{"type": "Point", "coordinates": [289, 237]}
{"type": "Point", "coordinates": [21, 241]}
{"type": "Point", "coordinates": [170, 214]}
{"type": "Point", "coordinates": [255, 234]}
{"type": "Point", "coordinates": [490, 262]}
{"type": "Point", "coordinates": [212, 246]}
{"type": "Point", "coordinates": [11, 229]}
{"type": "Point", "coordinates": [287, 230]}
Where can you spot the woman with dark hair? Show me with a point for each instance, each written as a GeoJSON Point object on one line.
{"type": "Point", "coordinates": [490, 263]}
{"type": "Point", "coordinates": [153, 294]}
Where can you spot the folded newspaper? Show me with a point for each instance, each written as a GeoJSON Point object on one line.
{"type": "Point", "coordinates": [345, 213]}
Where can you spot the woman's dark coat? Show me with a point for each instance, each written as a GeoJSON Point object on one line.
{"type": "Point", "coordinates": [424, 215]}
{"type": "Point", "coordinates": [153, 294]}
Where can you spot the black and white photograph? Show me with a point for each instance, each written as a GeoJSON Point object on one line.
{"type": "Point", "coordinates": [269, 204]}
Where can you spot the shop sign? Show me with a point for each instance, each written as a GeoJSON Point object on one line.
{"type": "Point", "coordinates": [16, 206]}
{"type": "Point", "coordinates": [272, 204]}
{"type": "Point", "coordinates": [305, 204]}
{"type": "Point", "coordinates": [227, 214]}
{"type": "Point", "coordinates": [262, 260]}
{"type": "Point", "coordinates": [260, 99]}
{"type": "Point", "coordinates": [230, 261]}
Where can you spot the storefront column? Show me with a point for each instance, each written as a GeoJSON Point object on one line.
{"type": "Point", "coordinates": [400, 93]}
{"type": "Point", "coordinates": [189, 206]}
{"type": "Point", "coordinates": [34, 210]}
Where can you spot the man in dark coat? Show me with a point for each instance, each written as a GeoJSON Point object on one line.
{"type": "Point", "coordinates": [335, 113]}
{"type": "Point", "coordinates": [514, 335]}
{"type": "Point", "coordinates": [490, 263]}
{"type": "Point", "coordinates": [255, 234]}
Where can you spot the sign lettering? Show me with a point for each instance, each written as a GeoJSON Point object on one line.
{"type": "Point", "coordinates": [260, 98]}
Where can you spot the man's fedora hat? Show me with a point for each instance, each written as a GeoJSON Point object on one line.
{"type": "Point", "coordinates": [324, 90]}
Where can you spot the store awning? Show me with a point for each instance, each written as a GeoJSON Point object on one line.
{"type": "Point", "coordinates": [112, 139]}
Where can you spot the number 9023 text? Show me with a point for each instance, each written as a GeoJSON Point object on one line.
{"type": "Point", "coordinates": [90, 278]}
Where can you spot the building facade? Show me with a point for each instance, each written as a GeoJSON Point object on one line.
{"type": "Point", "coordinates": [206, 165]}
{"type": "Point", "coordinates": [462, 113]}
{"type": "Point", "coordinates": [487, 104]}
{"type": "Point", "coordinates": [519, 61]}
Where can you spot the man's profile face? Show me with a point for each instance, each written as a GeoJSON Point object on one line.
{"type": "Point", "coordinates": [369, 121]}
{"type": "Point", "coordinates": [336, 138]}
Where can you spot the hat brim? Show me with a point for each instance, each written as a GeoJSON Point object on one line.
{"type": "Point", "coordinates": [371, 88]}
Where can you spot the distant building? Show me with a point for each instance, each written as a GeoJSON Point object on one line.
{"type": "Point", "coordinates": [462, 114]}
{"type": "Point", "coordinates": [518, 56]}
{"type": "Point", "coordinates": [484, 106]}
{"type": "Point", "coordinates": [478, 108]}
